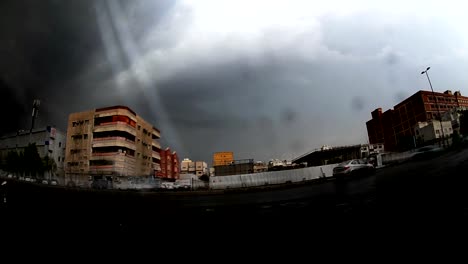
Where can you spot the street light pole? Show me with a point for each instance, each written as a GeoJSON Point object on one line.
{"type": "Point", "coordinates": [437, 104]}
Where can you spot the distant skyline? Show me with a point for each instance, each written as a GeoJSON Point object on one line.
{"type": "Point", "coordinates": [264, 79]}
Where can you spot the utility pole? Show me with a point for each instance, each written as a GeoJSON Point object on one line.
{"type": "Point", "coordinates": [35, 110]}
{"type": "Point", "coordinates": [437, 105]}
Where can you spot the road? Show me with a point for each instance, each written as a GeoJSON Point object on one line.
{"type": "Point", "coordinates": [408, 195]}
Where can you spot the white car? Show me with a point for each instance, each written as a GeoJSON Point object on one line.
{"type": "Point", "coordinates": [45, 182]}
{"type": "Point", "coordinates": [354, 166]}
{"type": "Point", "coordinates": [53, 182]}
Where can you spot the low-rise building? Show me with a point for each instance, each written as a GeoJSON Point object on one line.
{"type": "Point", "coordinates": [198, 168]}
{"type": "Point", "coordinates": [49, 141]}
{"type": "Point", "coordinates": [236, 167]}
{"type": "Point", "coordinates": [370, 149]}
{"type": "Point", "coordinates": [428, 132]}
{"type": "Point", "coordinates": [453, 116]}
{"type": "Point", "coordinates": [260, 166]}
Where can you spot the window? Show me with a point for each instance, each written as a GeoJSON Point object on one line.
{"type": "Point", "coordinates": [60, 144]}
{"type": "Point", "coordinates": [85, 136]}
{"type": "Point", "coordinates": [59, 159]}
{"type": "Point", "coordinates": [74, 151]}
{"type": "Point", "coordinates": [437, 131]}
{"type": "Point", "coordinates": [139, 127]}
{"type": "Point", "coordinates": [86, 122]}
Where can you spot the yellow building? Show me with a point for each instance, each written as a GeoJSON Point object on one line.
{"type": "Point", "coordinates": [110, 141]}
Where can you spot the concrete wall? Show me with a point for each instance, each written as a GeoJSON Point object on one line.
{"type": "Point", "coordinates": [389, 158]}
{"type": "Point", "coordinates": [273, 177]}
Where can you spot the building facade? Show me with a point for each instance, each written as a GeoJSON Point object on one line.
{"type": "Point", "coordinates": [370, 149]}
{"type": "Point", "coordinates": [49, 142]}
{"type": "Point", "coordinates": [169, 165]}
{"type": "Point", "coordinates": [223, 158]}
{"type": "Point", "coordinates": [198, 168]}
{"type": "Point", "coordinates": [236, 167]}
{"type": "Point", "coordinates": [454, 117]}
{"type": "Point", "coordinates": [395, 127]}
{"type": "Point", "coordinates": [110, 141]}
{"type": "Point", "coordinates": [428, 132]}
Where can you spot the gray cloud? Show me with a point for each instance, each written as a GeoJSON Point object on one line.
{"type": "Point", "coordinates": [272, 90]}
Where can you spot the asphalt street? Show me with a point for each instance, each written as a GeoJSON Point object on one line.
{"type": "Point", "coordinates": [411, 196]}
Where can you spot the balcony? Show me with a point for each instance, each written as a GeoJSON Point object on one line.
{"type": "Point", "coordinates": [155, 144]}
{"type": "Point", "coordinates": [113, 142]}
{"type": "Point", "coordinates": [156, 155]}
{"type": "Point", "coordinates": [115, 126]}
{"type": "Point", "coordinates": [112, 156]}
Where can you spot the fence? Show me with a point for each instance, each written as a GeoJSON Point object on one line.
{"type": "Point", "coordinates": [273, 177]}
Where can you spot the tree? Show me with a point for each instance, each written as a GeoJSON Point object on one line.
{"type": "Point", "coordinates": [49, 165]}
{"type": "Point", "coordinates": [32, 162]}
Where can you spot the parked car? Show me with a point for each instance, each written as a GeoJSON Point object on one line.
{"type": "Point", "coordinates": [53, 182]}
{"type": "Point", "coordinates": [426, 152]}
{"type": "Point", "coordinates": [354, 166]}
{"type": "Point", "coordinates": [45, 182]}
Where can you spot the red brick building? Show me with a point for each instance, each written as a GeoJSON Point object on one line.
{"type": "Point", "coordinates": [169, 165]}
{"type": "Point", "coordinates": [394, 127]}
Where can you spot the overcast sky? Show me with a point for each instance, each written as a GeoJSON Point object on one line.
{"type": "Point", "coordinates": [265, 79]}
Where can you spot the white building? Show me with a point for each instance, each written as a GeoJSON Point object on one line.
{"type": "Point", "coordinates": [369, 149]}
{"type": "Point", "coordinates": [49, 141]}
{"type": "Point", "coordinates": [453, 115]}
{"type": "Point", "coordinates": [198, 168]}
{"type": "Point", "coordinates": [428, 131]}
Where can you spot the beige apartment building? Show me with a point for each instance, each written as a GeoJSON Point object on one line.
{"type": "Point", "coordinates": [110, 143]}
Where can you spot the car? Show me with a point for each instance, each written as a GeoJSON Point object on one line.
{"type": "Point", "coordinates": [45, 182]}
{"type": "Point", "coordinates": [352, 167]}
{"type": "Point", "coordinates": [426, 152]}
{"type": "Point", "coordinates": [53, 182]}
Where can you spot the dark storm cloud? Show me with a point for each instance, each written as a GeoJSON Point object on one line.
{"type": "Point", "coordinates": [47, 45]}
{"type": "Point", "coordinates": [210, 84]}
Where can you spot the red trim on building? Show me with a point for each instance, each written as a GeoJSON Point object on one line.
{"type": "Point", "coordinates": [115, 107]}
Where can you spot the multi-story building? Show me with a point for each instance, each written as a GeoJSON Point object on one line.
{"type": "Point", "coordinates": [395, 128]}
{"type": "Point", "coordinates": [49, 142]}
{"type": "Point", "coordinates": [110, 141]}
{"type": "Point", "coordinates": [198, 168]}
{"type": "Point", "coordinates": [169, 165]}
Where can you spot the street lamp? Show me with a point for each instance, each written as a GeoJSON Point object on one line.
{"type": "Point", "coordinates": [437, 105]}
